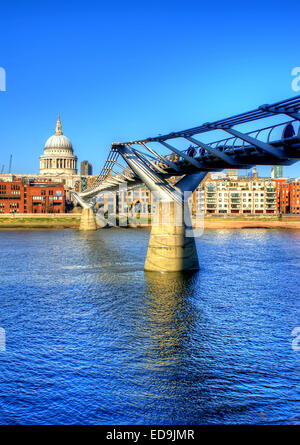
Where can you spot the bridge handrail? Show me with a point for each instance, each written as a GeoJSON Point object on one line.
{"type": "Point", "coordinates": [252, 132]}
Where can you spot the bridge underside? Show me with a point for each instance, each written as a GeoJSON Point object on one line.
{"type": "Point", "coordinates": [136, 162]}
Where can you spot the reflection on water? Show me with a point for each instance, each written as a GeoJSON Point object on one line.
{"type": "Point", "coordinates": [169, 315]}
{"type": "Point", "coordinates": [92, 338]}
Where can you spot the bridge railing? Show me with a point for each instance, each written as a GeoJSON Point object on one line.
{"type": "Point", "coordinates": [269, 134]}
{"type": "Point", "coordinates": [272, 133]}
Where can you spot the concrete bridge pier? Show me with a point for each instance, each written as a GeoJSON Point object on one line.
{"type": "Point", "coordinates": [170, 248]}
{"type": "Point", "coordinates": [87, 220]}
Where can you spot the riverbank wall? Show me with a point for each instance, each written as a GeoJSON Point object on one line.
{"type": "Point", "coordinates": [72, 221]}
{"type": "Point", "coordinates": [40, 221]}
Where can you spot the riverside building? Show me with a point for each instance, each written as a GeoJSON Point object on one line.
{"type": "Point", "coordinates": [31, 196]}
{"type": "Point", "coordinates": [221, 195]}
{"type": "Point", "coordinates": [288, 196]}
{"type": "Point", "coordinates": [137, 200]}
{"type": "Point", "coordinates": [236, 195]}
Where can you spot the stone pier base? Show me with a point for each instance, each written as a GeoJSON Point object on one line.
{"type": "Point", "coordinates": [87, 220]}
{"type": "Point", "coordinates": [170, 250]}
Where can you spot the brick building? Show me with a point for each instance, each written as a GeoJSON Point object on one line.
{"type": "Point", "coordinates": [288, 196]}
{"type": "Point", "coordinates": [33, 196]}
{"type": "Point", "coordinates": [282, 196]}
{"type": "Point", "coordinates": [295, 197]}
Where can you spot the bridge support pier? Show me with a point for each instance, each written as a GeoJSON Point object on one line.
{"type": "Point", "coordinates": [170, 249]}
{"type": "Point", "coordinates": [87, 220]}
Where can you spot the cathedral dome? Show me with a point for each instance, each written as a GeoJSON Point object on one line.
{"type": "Point", "coordinates": [58, 157]}
{"type": "Point", "coordinates": [59, 141]}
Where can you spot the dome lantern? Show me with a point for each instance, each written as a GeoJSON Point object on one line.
{"type": "Point", "coordinates": [58, 130]}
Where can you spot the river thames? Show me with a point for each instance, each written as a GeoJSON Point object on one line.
{"type": "Point", "coordinates": [93, 339]}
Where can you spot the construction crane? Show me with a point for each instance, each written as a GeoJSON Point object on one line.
{"type": "Point", "coordinates": [10, 162]}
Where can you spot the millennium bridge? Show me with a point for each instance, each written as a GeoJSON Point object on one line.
{"type": "Point", "coordinates": [173, 173]}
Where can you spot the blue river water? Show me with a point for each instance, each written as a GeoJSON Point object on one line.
{"type": "Point", "coordinates": [93, 339]}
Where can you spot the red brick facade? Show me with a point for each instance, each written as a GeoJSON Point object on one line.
{"type": "Point", "coordinates": [287, 197]}
{"type": "Point", "coordinates": [295, 198]}
{"type": "Point", "coordinates": [38, 196]}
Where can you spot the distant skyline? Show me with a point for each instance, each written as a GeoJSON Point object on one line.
{"type": "Point", "coordinates": [128, 70]}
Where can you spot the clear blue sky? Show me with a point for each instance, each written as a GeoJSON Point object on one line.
{"type": "Point", "coordinates": [123, 70]}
